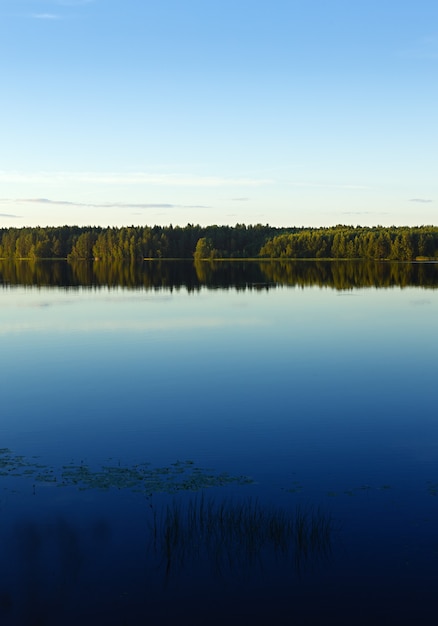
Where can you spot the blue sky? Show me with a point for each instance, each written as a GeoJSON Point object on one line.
{"type": "Point", "coordinates": [297, 112]}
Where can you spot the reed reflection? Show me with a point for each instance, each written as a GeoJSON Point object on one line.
{"type": "Point", "coordinates": [48, 569]}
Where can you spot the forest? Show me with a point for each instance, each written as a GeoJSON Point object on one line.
{"type": "Point", "coordinates": [402, 243]}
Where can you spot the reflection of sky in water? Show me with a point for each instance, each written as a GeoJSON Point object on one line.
{"type": "Point", "coordinates": [228, 360]}
{"type": "Point", "coordinates": [116, 312]}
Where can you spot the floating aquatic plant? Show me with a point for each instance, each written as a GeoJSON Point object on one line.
{"type": "Point", "coordinates": [178, 476]}
{"type": "Point", "coordinates": [17, 465]}
{"type": "Point", "coordinates": [361, 488]}
{"type": "Point", "coordinates": [432, 489]}
{"type": "Point", "coordinates": [296, 487]}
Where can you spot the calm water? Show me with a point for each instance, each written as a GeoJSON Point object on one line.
{"type": "Point", "coordinates": [240, 444]}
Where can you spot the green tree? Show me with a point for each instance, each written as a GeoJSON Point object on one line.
{"type": "Point", "coordinates": [204, 249]}
{"type": "Point", "coordinates": [83, 248]}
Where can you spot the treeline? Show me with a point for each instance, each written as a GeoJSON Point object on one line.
{"type": "Point", "coordinates": [348, 242]}
{"type": "Point", "coordinates": [134, 242]}
{"type": "Point", "coordinates": [219, 242]}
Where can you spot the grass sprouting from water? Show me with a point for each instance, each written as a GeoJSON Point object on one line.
{"type": "Point", "coordinates": [232, 535]}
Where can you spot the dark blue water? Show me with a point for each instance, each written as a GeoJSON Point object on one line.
{"type": "Point", "coordinates": [310, 397]}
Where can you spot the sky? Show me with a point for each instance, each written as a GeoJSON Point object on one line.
{"type": "Point", "coordinates": [287, 112]}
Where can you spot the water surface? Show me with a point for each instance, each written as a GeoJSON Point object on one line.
{"type": "Point", "coordinates": [248, 394]}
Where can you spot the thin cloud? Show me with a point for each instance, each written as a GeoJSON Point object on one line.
{"type": "Point", "coordinates": [239, 199]}
{"type": "Point", "coordinates": [45, 16]}
{"type": "Point", "coordinates": [59, 3]}
{"type": "Point", "coordinates": [10, 215]}
{"type": "Point", "coordinates": [422, 200]}
{"type": "Point", "coordinates": [364, 213]}
{"type": "Point", "coordinates": [102, 205]}
{"type": "Point", "coordinates": [132, 178]}
{"type": "Point", "coordinates": [330, 186]}
{"type": "Point", "coordinates": [74, 3]}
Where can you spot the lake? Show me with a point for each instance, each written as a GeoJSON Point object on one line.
{"type": "Point", "coordinates": [211, 443]}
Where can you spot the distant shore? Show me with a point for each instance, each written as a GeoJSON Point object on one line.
{"type": "Point", "coordinates": [395, 243]}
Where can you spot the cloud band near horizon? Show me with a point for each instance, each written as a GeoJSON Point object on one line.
{"type": "Point", "coordinates": [103, 205]}
{"type": "Point", "coordinates": [132, 178]}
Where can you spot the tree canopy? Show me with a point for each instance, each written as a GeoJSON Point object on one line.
{"type": "Point", "coordinates": [220, 242]}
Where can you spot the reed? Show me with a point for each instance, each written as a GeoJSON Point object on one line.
{"type": "Point", "coordinates": [234, 535]}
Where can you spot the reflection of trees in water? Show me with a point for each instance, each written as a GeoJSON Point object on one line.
{"type": "Point", "coordinates": [204, 270]}
{"type": "Point", "coordinates": [169, 274]}
{"type": "Point", "coordinates": [232, 537]}
{"type": "Point", "coordinates": [239, 275]}
{"type": "Point", "coordinates": [35, 273]}
{"type": "Point", "coordinates": [351, 274]}
{"type": "Point", "coordinates": [150, 275]}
